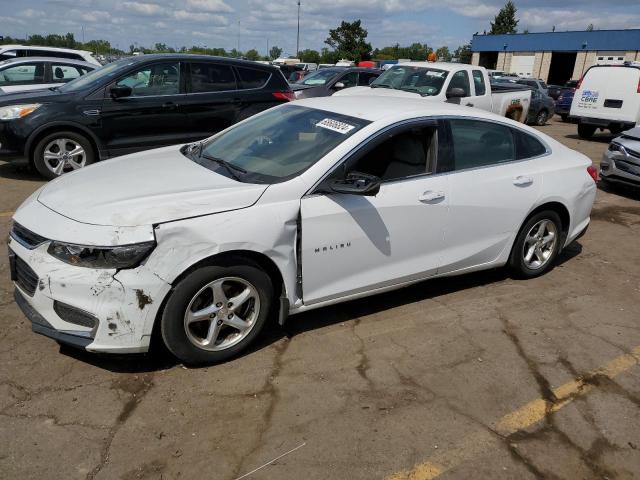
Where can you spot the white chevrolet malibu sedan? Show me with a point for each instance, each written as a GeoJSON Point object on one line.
{"type": "Point", "coordinates": [305, 205]}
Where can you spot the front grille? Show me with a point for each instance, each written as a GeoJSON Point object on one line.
{"type": "Point", "coordinates": [26, 237]}
{"type": "Point", "coordinates": [628, 167]}
{"type": "Point", "coordinates": [25, 277]}
{"type": "Point", "coordinates": [74, 315]}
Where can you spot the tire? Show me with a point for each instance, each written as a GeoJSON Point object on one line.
{"type": "Point", "coordinates": [52, 156]}
{"type": "Point", "coordinates": [541, 259]}
{"type": "Point", "coordinates": [208, 291]}
{"type": "Point", "coordinates": [565, 118]}
{"type": "Point", "coordinates": [542, 117]}
{"type": "Point", "coordinates": [586, 131]}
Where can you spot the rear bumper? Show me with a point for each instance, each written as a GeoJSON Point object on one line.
{"type": "Point", "coordinates": [606, 123]}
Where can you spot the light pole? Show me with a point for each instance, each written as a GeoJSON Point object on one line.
{"type": "Point", "coordinates": [298, 37]}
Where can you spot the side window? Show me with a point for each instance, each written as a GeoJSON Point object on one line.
{"type": "Point", "coordinates": [252, 78]}
{"type": "Point", "coordinates": [405, 153]}
{"type": "Point", "coordinates": [478, 143]}
{"type": "Point", "coordinates": [527, 146]}
{"type": "Point", "coordinates": [61, 73]}
{"type": "Point", "coordinates": [460, 79]}
{"type": "Point", "coordinates": [153, 80]}
{"type": "Point", "coordinates": [478, 81]}
{"type": "Point", "coordinates": [365, 78]}
{"type": "Point", "coordinates": [212, 77]}
{"type": "Point", "coordinates": [350, 79]}
{"type": "Point", "coordinates": [23, 74]}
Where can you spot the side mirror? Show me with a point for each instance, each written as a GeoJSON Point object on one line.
{"type": "Point", "coordinates": [338, 85]}
{"type": "Point", "coordinates": [456, 92]}
{"type": "Point", "coordinates": [120, 91]}
{"type": "Point", "coordinates": [357, 183]}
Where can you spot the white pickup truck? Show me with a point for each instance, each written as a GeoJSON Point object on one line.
{"type": "Point", "coordinates": [449, 82]}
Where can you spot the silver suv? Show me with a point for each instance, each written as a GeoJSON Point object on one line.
{"type": "Point", "coordinates": [621, 161]}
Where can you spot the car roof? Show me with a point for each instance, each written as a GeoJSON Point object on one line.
{"type": "Point", "coordinates": [37, 47]}
{"type": "Point", "coordinates": [376, 108]}
{"type": "Point", "coordinates": [70, 61]}
{"type": "Point", "coordinates": [190, 56]}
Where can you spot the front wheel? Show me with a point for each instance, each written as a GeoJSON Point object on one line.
{"type": "Point", "coordinates": [62, 152]}
{"type": "Point", "coordinates": [537, 245]}
{"type": "Point", "coordinates": [542, 117]}
{"type": "Point", "coordinates": [216, 312]}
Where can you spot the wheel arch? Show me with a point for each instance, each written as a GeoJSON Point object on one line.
{"type": "Point", "coordinates": [45, 130]}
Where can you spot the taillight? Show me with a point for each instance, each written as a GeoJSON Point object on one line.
{"type": "Point", "coordinates": [287, 96]}
{"type": "Point", "coordinates": [593, 172]}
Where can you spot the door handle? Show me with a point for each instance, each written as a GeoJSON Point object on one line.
{"type": "Point", "coordinates": [431, 196]}
{"type": "Point", "coordinates": [522, 181]}
{"type": "Point", "coordinates": [169, 106]}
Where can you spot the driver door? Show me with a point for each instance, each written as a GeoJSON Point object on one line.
{"type": "Point", "coordinates": [353, 243]}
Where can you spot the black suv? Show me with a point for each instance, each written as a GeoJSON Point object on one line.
{"type": "Point", "coordinates": [135, 104]}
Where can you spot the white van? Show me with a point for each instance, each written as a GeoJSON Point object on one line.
{"type": "Point", "coordinates": [308, 67]}
{"type": "Point", "coordinates": [608, 96]}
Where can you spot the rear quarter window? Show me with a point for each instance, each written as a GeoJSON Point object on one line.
{"type": "Point", "coordinates": [252, 78]}
{"type": "Point", "coordinates": [527, 146]}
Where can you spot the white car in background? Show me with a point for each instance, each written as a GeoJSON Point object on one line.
{"type": "Point", "coordinates": [458, 83]}
{"type": "Point", "coordinates": [33, 73]}
{"type": "Point", "coordinates": [15, 51]}
{"type": "Point", "coordinates": [308, 204]}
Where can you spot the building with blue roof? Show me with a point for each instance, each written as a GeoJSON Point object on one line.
{"type": "Point", "coordinates": [555, 57]}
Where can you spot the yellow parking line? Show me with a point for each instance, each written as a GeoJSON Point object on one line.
{"type": "Point", "coordinates": [533, 412]}
{"type": "Point", "coordinates": [6, 214]}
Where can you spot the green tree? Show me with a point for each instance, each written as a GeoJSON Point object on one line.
{"type": "Point", "coordinates": [309, 56]}
{"type": "Point", "coordinates": [328, 56]}
{"type": "Point", "coordinates": [252, 54]}
{"type": "Point", "coordinates": [505, 21]}
{"type": "Point", "coordinates": [463, 53]}
{"type": "Point", "coordinates": [590, 27]}
{"type": "Point", "coordinates": [443, 54]}
{"type": "Point", "coordinates": [349, 41]}
{"type": "Point", "coordinates": [275, 52]}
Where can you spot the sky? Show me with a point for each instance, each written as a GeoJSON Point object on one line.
{"type": "Point", "coordinates": [261, 23]}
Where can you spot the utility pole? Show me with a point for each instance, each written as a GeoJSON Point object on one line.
{"type": "Point", "coordinates": [238, 49]}
{"type": "Point", "coordinates": [298, 37]}
{"type": "Point", "coordinates": [268, 49]}
{"type": "Point", "coordinates": [83, 34]}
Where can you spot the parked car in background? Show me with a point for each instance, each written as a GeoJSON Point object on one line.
{"type": "Point", "coordinates": [325, 65]}
{"type": "Point", "coordinates": [563, 102]}
{"type": "Point", "coordinates": [620, 163]}
{"type": "Point", "coordinates": [535, 84]}
{"type": "Point", "coordinates": [449, 82]}
{"type": "Point", "coordinates": [345, 63]}
{"type": "Point", "coordinates": [307, 67]}
{"type": "Point", "coordinates": [554, 91]}
{"type": "Point", "coordinates": [292, 73]}
{"type": "Point", "coordinates": [32, 73]}
{"type": "Point", "coordinates": [541, 108]}
{"type": "Point", "coordinates": [607, 97]}
{"type": "Point", "coordinates": [327, 81]}
{"type": "Point", "coordinates": [135, 104]}
{"type": "Point", "coordinates": [15, 51]}
{"type": "Point", "coordinates": [309, 204]}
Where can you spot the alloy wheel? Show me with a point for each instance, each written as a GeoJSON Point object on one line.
{"type": "Point", "coordinates": [539, 244]}
{"type": "Point", "coordinates": [222, 313]}
{"type": "Point", "coordinates": [62, 155]}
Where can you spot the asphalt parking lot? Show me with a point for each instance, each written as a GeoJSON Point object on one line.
{"type": "Point", "coordinates": [479, 376]}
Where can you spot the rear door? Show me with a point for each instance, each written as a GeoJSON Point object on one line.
{"type": "Point", "coordinates": [24, 76]}
{"type": "Point", "coordinates": [213, 99]}
{"type": "Point", "coordinates": [495, 180]}
{"type": "Point", "coordinates": [152, 116]}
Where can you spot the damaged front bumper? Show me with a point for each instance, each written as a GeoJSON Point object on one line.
{"type": "Point", "coordinates": [94, 309]}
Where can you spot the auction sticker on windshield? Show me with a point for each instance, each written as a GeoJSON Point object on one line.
{"type": "Point", "coordinates": [335, 125]}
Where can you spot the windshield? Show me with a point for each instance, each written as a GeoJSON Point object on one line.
{"type": "Point", "coordinates": [318, 78]}
{"type": "Point", "coordinates": [422, 80]}
{"type": "Point", "coordinates": [95, 77]}
{"type": "Point", "coordinates": [277, 145]}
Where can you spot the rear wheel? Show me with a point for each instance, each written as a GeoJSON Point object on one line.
{"type": "Point", "coordinates": [537, 245]}
{"type": "Point", "coordinates": [565, 118]}
{"type": "Point", "coordinates": [586, 131]}
{"type": "Point", "coordinates": [542, 117]}
{"type": "Point", "coordinates": [216, 312]}
{"type": "Point", "coordinates": [62, 152]}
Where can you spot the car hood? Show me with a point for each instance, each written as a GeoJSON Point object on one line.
{"type": "Point", "coordinates": [147, 188]}
{"type": "Point", "coordinates": [33, 96]}
{"type": "Point", "coordinates": [634, 133]}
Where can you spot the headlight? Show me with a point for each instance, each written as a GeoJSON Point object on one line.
{"type": "Point", "coordinates": [18, 111]}
{"type": "Point", "coordinates": [127, 256]}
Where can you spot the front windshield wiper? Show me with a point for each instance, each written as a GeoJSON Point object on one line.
{"type": "Point", "coordinates": [380, 85]}
{"type": "Point", "coordinates": [232, 169]}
